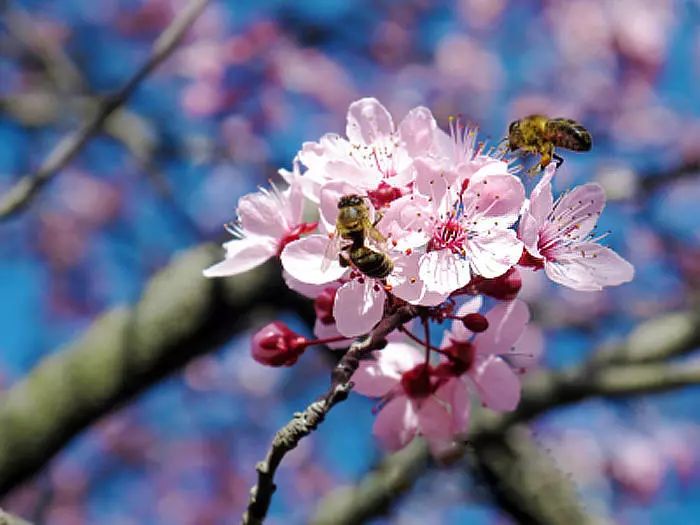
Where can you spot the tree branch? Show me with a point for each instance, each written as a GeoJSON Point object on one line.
{"type": "Point", "coordinates": [377, 490]}
{"type": "Point", "coordinates": [9, 519]}
{"type": "Point", "coordinates": [303, 423]}
{"type": "Point", "coordinates": [180, 315]}
{"type": "Point", "coordinates": [22, 192]}
{"type": "Point", "coordinates": [527, 483]}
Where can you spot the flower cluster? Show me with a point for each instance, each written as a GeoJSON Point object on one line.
{"type": "Point", "coordinates": [453, 222]}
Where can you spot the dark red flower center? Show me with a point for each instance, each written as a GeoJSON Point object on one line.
{"type": "Point", "coordinates": [530, 261]}
{"type": "Point", "coordinates": [294, 234]}
{"type": "Point", "coordinates": [416, 382]}
{"type": "Point", "coordinates": [383, 195]}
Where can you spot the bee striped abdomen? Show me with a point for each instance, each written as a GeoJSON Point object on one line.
{"type": "Point", "coordinates": [371, 263]}
{"type": "Point", "coordinates": [569, 134]}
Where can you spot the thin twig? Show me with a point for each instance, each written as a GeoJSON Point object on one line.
{"type": "Point", "coordinates": [303, 423]}
{"type": "Point", "coordinates": [22, 192]}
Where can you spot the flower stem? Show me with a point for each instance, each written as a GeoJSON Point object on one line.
{"type": "Point", "coordinates": [335, 339]}
{"type": "Point", "coordinates": [426, 332]}
{"type": "Point", "coordinates": [420, 341]}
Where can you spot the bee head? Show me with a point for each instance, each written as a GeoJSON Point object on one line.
{"type": "Point", "coordinates": [350, 200]}
{"type": "Point", "coordinates": [514, 135]}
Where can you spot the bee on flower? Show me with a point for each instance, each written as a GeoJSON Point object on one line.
{"type": "Point", "coordinates": [414, 215]}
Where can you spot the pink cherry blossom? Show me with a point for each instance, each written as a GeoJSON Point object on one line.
{"type": "Point", "coordinates": [483, 360]}
{"type": "Point", "coordinates": [267, 221]}
{"type": "Point", "coordinates": [376, 154]}
{"type": "Point", "coordinates": [413, 403]}
{"type": "Point", "coordinates": [557, 236]}
{"type": "Point", "coordinates": [463, 232]}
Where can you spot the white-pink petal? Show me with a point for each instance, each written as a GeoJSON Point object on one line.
{"type": "Point", "coordinates": [529, 233]}
{"type": "Point", "coordinates": [493, 253]}
{"type": "Point", "coordinates": [541, 199]}
{"type": "Point", "coordinates": [589, 267]}
{"type": "Point", "coordinates": [347, 171]}
{"type": "Point", "coordinates": [507, 322]}
{"type": "Point", "coordinates": [416, 131]}
{"type": "Point", "coordinates": [303, 260]}
{"type": "Point", "coordinates": [581, 206]}
{"type": "Point", "coordinates": [368, 121]}
{"type": "Point", "coordinates": [498, 386]}
{"type": "Point", "coordinates": [456, 393]}
{"type": "Point", "coordinates": [527, 350]}
{"type": "Point", "coordinates": [443, 272]}
{"type": "Point", "coordinates": [243, 255]}
{"type": "Point", "coordinates": [434, 419]}
{"type": "Point", "coordinates": [495, 199]}
{"type": "Point", "coordinates": [407, 285]}
{"type": "Point", "coordinates": [433, 180]}
{"type": "Point", "coordinates": [396, 424]}
{"type": "Point", "coordinates": [377, 376]}
{"type": "Point", "coordinates": [263, 215]}
{"type": "Point", "coordinates": [406, 222]}
{"type": "Point", "coordinates": [307, 290]}
{"type": "Point", "coordinates": [358, 307]}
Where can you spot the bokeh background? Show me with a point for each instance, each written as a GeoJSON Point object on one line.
{"type": "Point", "coordinates": [251, 82]}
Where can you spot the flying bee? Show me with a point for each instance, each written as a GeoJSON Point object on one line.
{"type": "Point", "coordinates": [539, 134]}
{"type": "Point", "coordinates": [354, 230]}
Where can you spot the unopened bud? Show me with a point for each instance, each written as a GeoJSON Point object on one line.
{"type": "Point", "coordinates": [276, 345]}
{"type": "Point", "coordinates": [504, 288]}
{"type": "Point", "coordinates": [475, 322]}
{"type": "Point", "coordinates": [323, 306]}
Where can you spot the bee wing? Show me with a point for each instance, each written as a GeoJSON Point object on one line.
{"type": "Point", "coordinates": [335, 244]}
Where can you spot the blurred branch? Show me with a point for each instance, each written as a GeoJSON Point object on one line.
{"type": "Point", "coordinates": [9, 519]}
{"type": "Point", "coordinates": [22, 192]}
{"type": "Point", "coordinates": [378, 489]}
{"type": "Point", "coordinates": [652, 181]}
{"type": "Point", "coordinates": [180, 316]}
{"type": "Point", "coordinates": [42, 106]}
{"type": "Point", "coordinates": [527, 483]}
{"type": "Point", "coordinates": [303, 423]}
{"type": "Point", "coordinates": [60, 68]}
{"type": "Point", "coordinates": [635, 366]}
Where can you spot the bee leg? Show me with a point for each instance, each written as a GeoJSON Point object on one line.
{"type": "Point", "coordinates": [546, 152]}
{"type": "Point", "coordinates": [377, 218]}
{"type": "Point", "coordinates": [559, 160]}
{"type": "Point", "coordinates": [343, 260]}
{"type": "Point", "coordinates": [533, 170]}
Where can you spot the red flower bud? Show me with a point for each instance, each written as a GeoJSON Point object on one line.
{"type": "Point", "coordinates": [276, 345]}
{"type": "Point", "coordinates": [323, 305]}
{"type": "Point", "coordinates": [504, 288]}
{"type": "Point", "coordinates": [475, 322]}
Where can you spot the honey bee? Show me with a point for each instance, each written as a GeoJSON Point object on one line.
{"type": "Point", "coordinates": [539, 134]}
{"type": "Point", "coordinates": [353, 231]}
